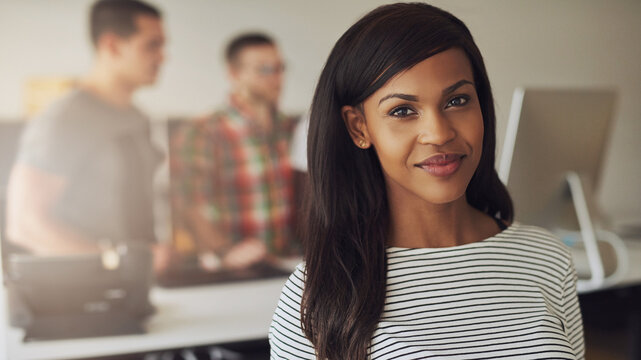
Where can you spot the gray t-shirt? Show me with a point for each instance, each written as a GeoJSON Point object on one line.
{"type": "Point", "coordinates": [106, 155]}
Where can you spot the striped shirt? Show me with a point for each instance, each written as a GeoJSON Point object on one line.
{"type": "Point", "coordinates": [510, 296]}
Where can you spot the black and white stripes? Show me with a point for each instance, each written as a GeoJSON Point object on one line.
{"type": "Point", "coordinates": [512, 296]}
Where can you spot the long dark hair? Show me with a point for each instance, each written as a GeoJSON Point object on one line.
{"type": "Point", "coordinates": [347, 217]}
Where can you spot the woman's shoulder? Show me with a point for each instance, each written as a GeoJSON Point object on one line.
{"type": "Point", "coordinates": [286, 337]}
{"type": "Point", "coordinates": [532, 231]}
{"type": "Point", "coordinates": [296, 280]}
{"type": "Point", "coordinates": [535, 237]}
{"type": "Point", "coordinates": [292, 292]}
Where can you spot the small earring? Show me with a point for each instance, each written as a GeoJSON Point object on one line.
{"type": "Point", "coordinates": [363, 144]}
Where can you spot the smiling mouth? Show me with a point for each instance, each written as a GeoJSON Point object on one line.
{"type": "Point", "coordinates": [441, 165]}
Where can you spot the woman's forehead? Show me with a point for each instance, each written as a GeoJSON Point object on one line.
{"type": "Point", "coordinates": [438, 72]}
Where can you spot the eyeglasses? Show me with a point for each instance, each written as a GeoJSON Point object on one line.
{"type": "Point", "coordinates": [269, 70]}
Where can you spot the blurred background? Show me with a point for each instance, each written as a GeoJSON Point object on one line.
{"type": "Point", "coordinates": [546, 43]}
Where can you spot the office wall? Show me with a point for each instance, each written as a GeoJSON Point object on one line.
{"type": "Point", "coordinates": [538, 43]}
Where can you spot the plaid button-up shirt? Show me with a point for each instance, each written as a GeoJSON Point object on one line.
{"type": "Point", "coordinates": [237, 174]}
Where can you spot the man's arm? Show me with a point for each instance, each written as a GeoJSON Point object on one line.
{"type": "Point", "coordinates": [31, 194]}
{"type": "Point", "coordinates": [206, 235]}
{"type": "Point", "coordinates": [194, 171]}
{"type": "Point", "coordinates": [210, 241]}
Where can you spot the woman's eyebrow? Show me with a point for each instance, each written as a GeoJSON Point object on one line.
{"type": "Point", "coordinates": [408, 97]}
{"type": "Point", "coordinates": [405, 97]}
{"type": "Point", "coordinates": [457, 85]}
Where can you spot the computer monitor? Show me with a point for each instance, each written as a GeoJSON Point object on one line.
{"type": "Point", "coordinates": [62, 297]}
{"type": "Point", "coordinates": [552, 159]}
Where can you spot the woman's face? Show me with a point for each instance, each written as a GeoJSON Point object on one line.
{"type": "Point", "coordinates": [426, 127]}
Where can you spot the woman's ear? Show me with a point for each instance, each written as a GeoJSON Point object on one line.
{"type": "Point", "coordinates": [356, 126]}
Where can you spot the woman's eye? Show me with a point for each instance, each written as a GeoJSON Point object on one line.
{"type": "Point", "coordinates": [457, 101]}
{"type": "Point", "coordinates": [402, 111]}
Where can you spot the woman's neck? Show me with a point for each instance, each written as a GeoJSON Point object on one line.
{"type": "Point", "coordinates": [423, 225]}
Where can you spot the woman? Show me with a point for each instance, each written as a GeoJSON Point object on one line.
{"type": "Point", "coordinates": [410, 250]}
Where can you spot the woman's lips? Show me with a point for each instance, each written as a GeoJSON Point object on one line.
{"type": "Point", "coordinates": [441, 164]}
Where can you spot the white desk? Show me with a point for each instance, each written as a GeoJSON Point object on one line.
{"type": "Point", "coordinates": [204, 315]}
{"type": "Point", "coordinates": [631, 277]}
{"type": "Point", "coordinates": [185, 317]}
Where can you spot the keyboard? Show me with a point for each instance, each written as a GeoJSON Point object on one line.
{"type": "Point", "coordinates": [193, 276]}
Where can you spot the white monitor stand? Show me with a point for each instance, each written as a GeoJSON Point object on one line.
{"type": "Point", "coordinates": [556, 138]}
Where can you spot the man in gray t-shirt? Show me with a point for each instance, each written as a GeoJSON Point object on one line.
{"type": "Point", "coordinates": [84, 167]}
{"type": "Point", "coordinates": [106, 156]}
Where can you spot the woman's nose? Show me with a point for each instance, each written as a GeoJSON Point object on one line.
{"type": "Point", "coordinates": [435, 129]}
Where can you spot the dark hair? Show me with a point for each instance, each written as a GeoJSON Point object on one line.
{"type": "Point", "coordinates": [240, 42]}
{"type": "Point", "coordinates": [117, 16]}
{"type": "Point", "coordinates": [347, 210]}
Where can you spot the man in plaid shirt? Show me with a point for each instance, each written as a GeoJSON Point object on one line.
{"type": "Point", "coordinates": [231, 175]}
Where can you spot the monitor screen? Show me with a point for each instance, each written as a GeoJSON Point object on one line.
{"type": "Point", "coordinates": [550, 133]}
